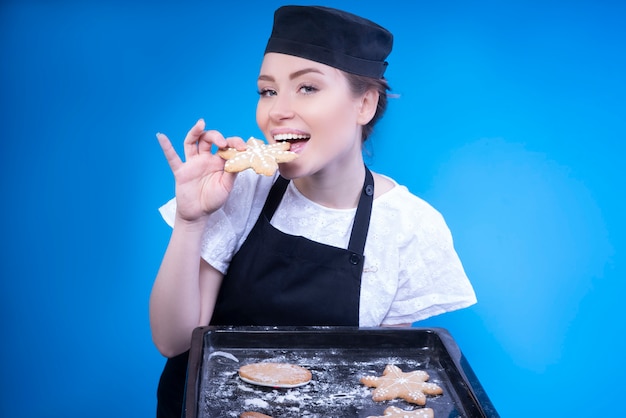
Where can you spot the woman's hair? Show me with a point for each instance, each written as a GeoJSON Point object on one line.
{"type": "Point", "coordinates": [359, 85]}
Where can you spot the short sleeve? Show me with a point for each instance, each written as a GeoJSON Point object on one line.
{"type": "Point", "coordinates": [431, 278]}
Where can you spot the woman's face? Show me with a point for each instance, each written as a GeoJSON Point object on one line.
{"type": "Point", "coordinates": [310, 105]}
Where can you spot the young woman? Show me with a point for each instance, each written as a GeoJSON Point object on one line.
{"type": "Point", "coordinates": [325, 241]}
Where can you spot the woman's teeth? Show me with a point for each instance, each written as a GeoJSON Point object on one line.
{"type": "Point", "coordinates": [291, 137]}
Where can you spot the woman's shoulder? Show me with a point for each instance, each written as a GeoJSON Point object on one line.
{"type": "Point", "coordinates": [382, 184]}
{"type": "Point", "coordinates": [398, 205]}
{"type": "Point", "coordinates": [389, 191]}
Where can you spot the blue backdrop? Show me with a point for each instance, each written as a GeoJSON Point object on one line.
{"type": "Point", "coordinates": [509, 119]}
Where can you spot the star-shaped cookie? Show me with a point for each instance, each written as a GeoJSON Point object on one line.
{"type": "Point", "coordinates": [261, 157]}
{"type": "Point", "coordinates": [394, 383]}
{"type": "Point", "coordinates": [393, 411]}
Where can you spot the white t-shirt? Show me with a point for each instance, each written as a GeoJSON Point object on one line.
{"type": "Point", "coordinates": [411, 269]}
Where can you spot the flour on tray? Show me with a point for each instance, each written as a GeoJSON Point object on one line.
{"type": "Point", "coordinates": [334, 390]}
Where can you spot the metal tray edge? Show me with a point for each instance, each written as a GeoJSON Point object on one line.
{"type": "Point", "coordinates": [190, 407]}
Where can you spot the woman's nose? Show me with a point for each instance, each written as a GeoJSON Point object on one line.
{"type": "Point", "coordinates": [281, 108]}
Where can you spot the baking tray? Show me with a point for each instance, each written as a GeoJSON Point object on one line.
{"type": "Point", "coordinates": [337, 358]}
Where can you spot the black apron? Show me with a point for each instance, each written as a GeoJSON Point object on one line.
{"type": "Point", "coordinates": [277, 279]}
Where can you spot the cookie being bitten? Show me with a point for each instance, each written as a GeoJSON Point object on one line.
{"type": "Point", "coordinates": [394, 383]}
{"type": "Point", "coordinates": [261, 157]}
{"type": "Point", "coordinates": [281, 375]}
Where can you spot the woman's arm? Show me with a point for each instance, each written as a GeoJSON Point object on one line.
{"type": "Point", "coordinates": [185, 289]}
{"type": "Point", "coordinates": [184, 292]}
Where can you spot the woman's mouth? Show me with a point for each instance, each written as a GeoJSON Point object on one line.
{"type": "Point", "coordinates": [297, 141]}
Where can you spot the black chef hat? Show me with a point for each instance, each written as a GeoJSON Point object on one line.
{"type": "Point", "coordinates": [332, 37]}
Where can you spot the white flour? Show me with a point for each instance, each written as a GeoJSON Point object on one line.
{"type": "Point", "coordinates": [334, 391]}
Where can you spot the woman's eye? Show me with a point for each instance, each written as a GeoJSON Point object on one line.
{"type": "Point", "coordinates": [307, 89]}
{"type": "Point", "coordinates": [267, 92]}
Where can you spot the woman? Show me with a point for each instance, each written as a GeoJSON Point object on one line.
{"type": "Point", "coordinates": [326, 242]}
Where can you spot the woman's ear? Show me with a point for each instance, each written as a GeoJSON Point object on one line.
{"type": "Point", "coordinates": [367, 106]}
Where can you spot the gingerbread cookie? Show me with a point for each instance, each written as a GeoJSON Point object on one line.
{"type": "Point", "coordinates": [393, 411]}
{"type": "Point", "coordinates": [261, 157]}
{"type": "Point", "coordinates": [283, 375]}
{"type": "Point", "coordinates": [253, 415]}
{"type": "Point", "coordinates": [410, 386]}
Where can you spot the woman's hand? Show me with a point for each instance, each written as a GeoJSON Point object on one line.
{"type": "Point", "coordinates": [202, 186]}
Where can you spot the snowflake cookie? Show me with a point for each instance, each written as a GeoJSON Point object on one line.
{"type": "Point", "coordinates": [261, 157]}
{"type": "Point", "coordinates": [394, 383]}
{"type": "Point", "coordinates": [393, 411]}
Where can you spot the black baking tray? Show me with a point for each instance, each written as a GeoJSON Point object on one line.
{"type": "Point", "coordinates": [337, 358]}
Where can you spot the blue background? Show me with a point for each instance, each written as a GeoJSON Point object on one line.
{"type": "Point", "coordinates": [510, 120]}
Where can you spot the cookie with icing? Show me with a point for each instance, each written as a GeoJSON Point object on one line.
{"type": "Point", "coordinates": [394, 383]}
{"type": "Point", "coordinates": [278, 375]}
{"type": "Point", "coordinates": [396, 412]}
{"type": "Point", "coordinates": [261, 157]}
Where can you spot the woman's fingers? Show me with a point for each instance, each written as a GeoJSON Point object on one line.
{"type": "Point", "coordinates": [172, 157]}
{"type": "Point", "coordinates": [208, 138]}
{"type": "Point", "coordinates": [191, 140]}
{"type": "Point", "coordinates": [236, 142]}
{"type": "Point", "coordinates": [198, 142]}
